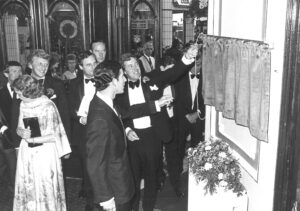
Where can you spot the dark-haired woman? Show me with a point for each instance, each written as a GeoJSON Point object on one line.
{"type": "Point", "coordinates": [39, 179]}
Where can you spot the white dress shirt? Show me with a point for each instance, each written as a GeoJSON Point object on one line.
{"type": "Point", "coordinates": [136, 96]}
{"type": "Point", "coordinates": [194, 87]}
{"type": "Point", "coordinates": [11, 92]}
{"type": "Point", "coordinates": [89, 91]}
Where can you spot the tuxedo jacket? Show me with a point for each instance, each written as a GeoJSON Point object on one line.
{"type": "Point", "coordinates": [10, 109]}
{"type": "Point", "coordinates": [5, 138]}
{"type": "Point", "coordinates": [107, 162]}
{"type": "Point", "coordinates": [153, 90]}
{"type": "Point", "coordinates": [184, 99]}
{"type": "Point", "coordinates": [75, 96]}
{"type": "Point", "coordinates": [60, 100]}
{"type": "Point", "coordinates": [6, 103]}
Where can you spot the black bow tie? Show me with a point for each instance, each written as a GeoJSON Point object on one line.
{"type": "Point", "coordinates": [195, 75]}
{"type": "Point", "coordinates": [87, 80]}
{"type": "Point", "coordinates": [132, 84]}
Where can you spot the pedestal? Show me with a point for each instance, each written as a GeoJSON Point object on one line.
{"type": "Point", "coordinates": [222, 200]}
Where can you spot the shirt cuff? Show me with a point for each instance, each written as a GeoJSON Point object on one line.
{"type": "Point", "coordinates": [3, 129]}
{"type": "Point", "coordinates": [158, 109]}
{"type": "Point", "coordinates": [80, 120]}
{"type": "Point", "coordinates": [187, 61]}
{"type": "Point", "coordinates": [105, 203]}
{"type": "Point", "coordinates": [127, 130]}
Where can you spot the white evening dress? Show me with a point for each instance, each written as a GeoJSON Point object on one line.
{"type": "Point", "coordinates": [39, 182]}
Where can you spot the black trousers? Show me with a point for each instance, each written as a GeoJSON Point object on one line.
{"type": "Point", "coordinates": [86, 186]}
{"type": "Point", "coordinates": [144, 155]}
{"type": "Point", "coordinates": [173, 158]}
{"type": "Point", "coordinates": [8, 159]}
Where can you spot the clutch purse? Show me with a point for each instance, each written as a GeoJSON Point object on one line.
{"type": "Point", "coordinates": [33, 124]}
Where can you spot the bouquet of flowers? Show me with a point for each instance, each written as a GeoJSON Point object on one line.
{"type": "Point", "coordinates": [213, 163]}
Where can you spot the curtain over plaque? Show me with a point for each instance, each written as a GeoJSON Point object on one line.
{"type": "Point", "coordinates": [236, 80]}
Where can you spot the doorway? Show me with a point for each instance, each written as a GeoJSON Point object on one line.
{"type": "Point", "coordinates": [178, 26]}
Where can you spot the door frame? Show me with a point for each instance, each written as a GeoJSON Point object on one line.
{"type": "Point", "coordinates": [289, 127]}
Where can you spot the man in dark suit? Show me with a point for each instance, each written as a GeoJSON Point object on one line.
{"type": "Point", "coordinates": [146, 132]}
{"type": "Point", "coordinates": [190, 108]}
{"type": "Point", "coordinates": [81, 93]}
{"type": "Point", "coordinates": [9, 106]}
{"type": "Point", "coordinates": [147, 61]}
{"type": "Point", "coordinates": [107, 161]}
{"type": "Point", "coordinates": [53, 88]}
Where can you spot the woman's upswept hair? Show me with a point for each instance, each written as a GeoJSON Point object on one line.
{"type": "Point", "coordinates": [29, 86]}
{"type": "Point", "coordinates": [104, 74]}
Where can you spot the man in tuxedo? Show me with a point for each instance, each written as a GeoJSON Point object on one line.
{"type": "Point", "coordinates": [82, 91]}
{"type": "Point", "coordinates": [107, 159]}
{"type": "Point", "coordinates": [9, 106]}
{"type": "Point", "coordinates": [147, 61]}
{"type": "Point", "coordinates": [53, 88]}
{"type": "Point", "coordinates": [98, 48]}
{"type": "Point", "coordinates": [147, 129]}
{"type": "Point", "coordinates": [190, 108]}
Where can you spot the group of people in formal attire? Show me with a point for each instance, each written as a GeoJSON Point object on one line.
{"type": "Point", "coordinates": [118, 115]}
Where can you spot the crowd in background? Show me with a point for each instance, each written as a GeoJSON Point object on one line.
{"type": "Point", "coordinates": [159, 105]}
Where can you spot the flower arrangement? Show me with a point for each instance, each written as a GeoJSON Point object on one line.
{"type": "Point", "coordinates": [213, 163]}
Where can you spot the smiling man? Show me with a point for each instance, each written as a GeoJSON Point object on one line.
{"type": "Point", "coordinates": [53, 88]}
{"type": "Point", "coordinates": [148, 128]}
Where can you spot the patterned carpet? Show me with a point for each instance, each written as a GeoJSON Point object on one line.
{"type": "Point", "coordinates": [167, 201]}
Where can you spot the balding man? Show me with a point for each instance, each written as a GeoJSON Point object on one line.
{"type": "Point", "coordinates": [98, 48]}
{"type": "Point", "coordinates": [147, 61]}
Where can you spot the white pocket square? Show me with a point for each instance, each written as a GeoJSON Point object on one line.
{"type": "Point", "coordinates": [53, 97]}
{"type": "Point", "coordinates": [153, 88]}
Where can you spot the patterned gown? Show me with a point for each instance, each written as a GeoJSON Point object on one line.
{"type": "Point", "coordinates": [39, 182]}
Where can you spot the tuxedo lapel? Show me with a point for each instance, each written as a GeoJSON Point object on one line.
{"type": "Point", "coordinates": [126, 96]}
{"type": "Point", "coordinates": [146, 91]}
{"type": "Point", "coordinates": [47, 83]}
{"type": "Point", "coordinates": [188, 90]}
{"type": "Point", "coordinates": [7, 94]}
{"type": "Point", "coordinates": [81, 89]}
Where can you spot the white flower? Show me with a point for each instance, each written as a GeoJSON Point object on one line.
{"type": "Point", "coordinates": [222, 154]}
{"type": "Point", "coordinates": [223, 183]}
{"type": "Point", "coordinates": [208, 148]}
{"type": "Point", "coordinates": [207, 166]}
{"type": "Point", "coordinates": [153, 88]}
{"type": "Point", "coordinates": [31, 205]}
{"type": "Point", "coordinates": [220, 176]}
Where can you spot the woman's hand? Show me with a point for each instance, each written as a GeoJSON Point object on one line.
{"type": "Point", "coordinates": [24, 133]}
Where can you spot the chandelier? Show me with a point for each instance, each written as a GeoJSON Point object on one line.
{"type": "Point", "coordinates": [203, 3]}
